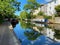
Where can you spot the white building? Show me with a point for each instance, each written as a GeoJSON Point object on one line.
{"type": "Point", "coordinates": [43, 8]}
{"type": "Point", "coordinates": [48, 8]}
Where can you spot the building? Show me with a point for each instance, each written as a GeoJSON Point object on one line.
{"type": "Point", "coordinates": [43, 8]}
{"type": "Point", "coordinates": [48, 8]}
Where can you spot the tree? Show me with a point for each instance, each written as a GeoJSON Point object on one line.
{"type": "Point", "coordinates": [41, 13]}
{"type": "Point", "coordinates": [26, 25]}
{"type": "Point", "coordinates": [31, 6]}
{"type": "Point", "coordinates": [23, 15]}
{"type": "Point", "coordinates": [8, 7]}
{"type": "Point", "coordinates": [57, 8]}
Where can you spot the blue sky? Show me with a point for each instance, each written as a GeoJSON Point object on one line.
{"type": "Point", "coordinates": [23, 2]}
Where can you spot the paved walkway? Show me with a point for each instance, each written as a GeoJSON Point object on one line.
{"type": "Point", "coordinates": [7, 36]}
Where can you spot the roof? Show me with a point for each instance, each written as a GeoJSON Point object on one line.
{"type": "Point", "coordinates": [47, 2]}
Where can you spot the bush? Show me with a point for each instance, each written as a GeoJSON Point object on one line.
{"type": "Point", "coordinates": [57, 8]}
{"type": "Point", "coordinates": [56, 15]}
{"type": "Point", "coordinates": [33, 16]}
{"type": "Point", "coordinates": [41, 13]}
{"type": "Point", "coordinates": [1, 18]}
{"type": "Point", "coordinates": [47, 17]}
{"type": "Point", "coordinates": [1, 21]}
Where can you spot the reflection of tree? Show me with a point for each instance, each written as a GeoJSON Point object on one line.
{"type": "Point", "coordinates": [57, 34]}
{"type": "Point", "coordinates": [14, 24]}
{"type": "Point", "coordinates": [48, 25]}
{"type": "Point", "coordinates": [40, 28]}
{"type": "Point", "coordinates": [26, 25]}
{"type": "Point", "coordinates": [32, 35]}
{"type": "Point", "coordinates": [20, 40]}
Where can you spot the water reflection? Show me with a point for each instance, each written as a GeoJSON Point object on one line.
{"type": "Point", "coordinates": [57, 35]}
{"type": "Point", "coordinates": [26, 25]}
{"type": "Point", "coordinates": [30, 33]}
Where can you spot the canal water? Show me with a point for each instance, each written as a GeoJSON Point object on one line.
{"type": "Point", "coordinates": [30, 33]}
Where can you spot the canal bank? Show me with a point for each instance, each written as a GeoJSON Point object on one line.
{"type": "Point", "coordinates": [7, 37]}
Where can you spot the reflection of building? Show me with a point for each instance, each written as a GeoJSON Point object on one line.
{"type": "Point", "coordinates": [51, 31]}
{"type": "Point", "coordinates": [38, 19]}
{"type": "Point", "coordinates": [40, 25]}
{"type": "Point", "coordinates": [51, 7]}
{"type": "Point", "coordinates": [50, 34]}
{"type": "Point", "coordinates": [55, 26]}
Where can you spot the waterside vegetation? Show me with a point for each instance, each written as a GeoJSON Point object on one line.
{"type": "Point", "coordinates": [8, 8]}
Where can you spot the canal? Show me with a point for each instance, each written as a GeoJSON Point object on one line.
{"type": "Point", "coordinates": [30, 33]}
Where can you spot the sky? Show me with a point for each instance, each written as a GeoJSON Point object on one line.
{"type": "Point", "coordinates": [23, 2]}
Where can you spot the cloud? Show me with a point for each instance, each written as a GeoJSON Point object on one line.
{"type": "Point", "coordinates": [47, 0]}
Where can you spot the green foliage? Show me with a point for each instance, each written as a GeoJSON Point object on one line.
{"type": "Point", "coordinates": [1, 21]}
{"type": "Point", "coordinates": [28, 6]}
{"type": "Point", "coordinates": [57, 34]}
{"type": "Point", "coordinates": [31, 1]}
{"type": "Point", "coordinates": [47, 17]}
{"type": "Point", "coordinates": [40, 28]}
{"type": "Point", "coordinates": [28, 16]}
{"type": "Point", "coordinates": [57, 8]}
{"type": "Point", "coordinates": [25, 25]}
{"type": "Point", "coordinates": [23, 15]}
{"type": "Point", "coordinates": [31, 5]}
{"type": "Point", "coordinates": [56, 15]}
{"type": "Point", "coordinates": [32, 35]}
{"type": "Point", "coordinates": [8, 7]}
{"type": "Point", "coordinates": [41, 13]}
{"type": "Point", "coordinates": [33, 16]}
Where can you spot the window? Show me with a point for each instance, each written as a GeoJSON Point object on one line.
{"type": "Point", "coordinates": [55, 1]}
{"type": "Point", "coordinates": [50, 8]}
